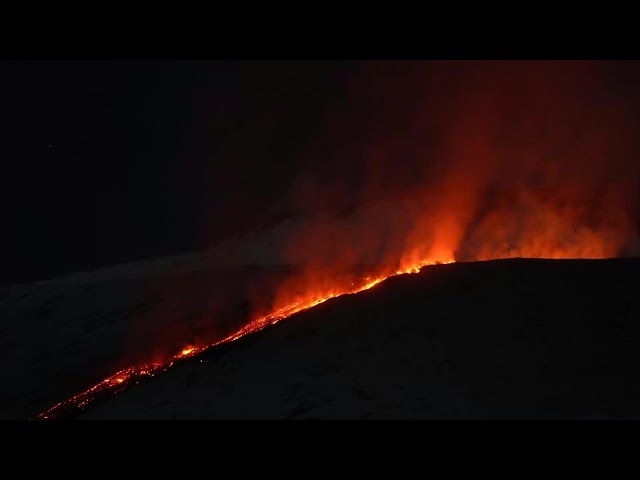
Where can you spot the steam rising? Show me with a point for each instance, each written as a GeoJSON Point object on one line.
{"type": "Point", "coordinates": [479, 160]}
{"type": "Point", "coordinates": [430, 162]}
{"type": "Point", "coordinates": [484, 159]}
{"type": "Point", "coordinates": [418, 163]}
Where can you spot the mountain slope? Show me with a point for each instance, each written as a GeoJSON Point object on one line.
{"type": "Point", "coordinates": [500, 339]}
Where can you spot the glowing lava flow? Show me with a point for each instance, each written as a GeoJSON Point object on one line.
{"type": "Point", "coordinates": [132, 375]}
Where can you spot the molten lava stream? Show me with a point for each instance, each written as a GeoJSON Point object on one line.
{"type": "Point", "coordinates": [121, 380]}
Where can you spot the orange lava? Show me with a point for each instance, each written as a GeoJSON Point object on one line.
{"type": "Point", "coordinates": [133, 375]}
{"type": "Point", "coordinates": [453, 161]}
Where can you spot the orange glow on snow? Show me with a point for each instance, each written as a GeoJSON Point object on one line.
{"type": "Point", "coordinates": [133, 375]}
{"type": "Point", "coordinates": [489, 161]}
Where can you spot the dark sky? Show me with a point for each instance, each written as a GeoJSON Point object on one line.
{"type": "Point", "coordinates": [105, 162]}
{"type": "Point", "coordinates": [112, 161]}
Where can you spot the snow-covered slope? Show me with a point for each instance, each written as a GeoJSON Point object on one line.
{"type": "Point", "coordinates": [499, 339]}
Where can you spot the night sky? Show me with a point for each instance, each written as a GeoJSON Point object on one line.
{"type": "Point", "coordinates": [113, 161]}
{"type": "Point", "coordinates": [107, 162]}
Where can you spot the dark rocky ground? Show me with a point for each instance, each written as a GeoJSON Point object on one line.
{"type": "Point", "coordinates": [501, 339]}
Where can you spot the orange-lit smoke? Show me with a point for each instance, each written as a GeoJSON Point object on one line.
{"type": "Point", "coordinates": [417, 163]}
{"type": "Point", "coordinates": [481, 160]}
{"type": "Point", "coordinates": [420, 163]}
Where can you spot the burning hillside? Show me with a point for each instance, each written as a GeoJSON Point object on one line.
{"type": "Point", "coordinates": [480, 160]}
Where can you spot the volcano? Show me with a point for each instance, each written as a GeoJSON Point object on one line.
{"type": "Point", "coordinates": [517, 338]}
{"type": "Point", "coordinates": [552, 339]}
{"type": "Point", "coordinates": [362, 239]}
